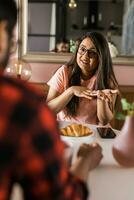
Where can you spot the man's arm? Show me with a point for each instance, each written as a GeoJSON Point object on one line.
{"type": "Point", "coordinates": [45, 173]}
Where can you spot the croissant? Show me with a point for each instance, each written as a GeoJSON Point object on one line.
{"type": "Point", "coordinates": [76, 130]}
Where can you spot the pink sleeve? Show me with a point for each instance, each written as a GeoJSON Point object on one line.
{"type": "Point", "coordinates": [59, 80]}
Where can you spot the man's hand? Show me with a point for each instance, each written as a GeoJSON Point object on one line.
{"type": "Point", "coordinates": [88, 157]}
{"type": "Point", "coordinates": [91, 154]}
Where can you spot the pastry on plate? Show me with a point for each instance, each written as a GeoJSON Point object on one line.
{"type": "Point", "coordinates": [76, 130]}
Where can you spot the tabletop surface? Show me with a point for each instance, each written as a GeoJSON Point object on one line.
{"type": "Point", "coordinates": [108, 181]}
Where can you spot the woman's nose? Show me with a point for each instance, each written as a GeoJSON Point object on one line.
{"type": "Point", "coordinates": [85, 55]}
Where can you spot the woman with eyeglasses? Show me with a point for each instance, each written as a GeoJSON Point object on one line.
{"type": "Point", "coordinates": [85, 89]}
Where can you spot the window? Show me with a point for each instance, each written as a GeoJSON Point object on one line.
{"type": "Point", "coordinates": [42, 30]}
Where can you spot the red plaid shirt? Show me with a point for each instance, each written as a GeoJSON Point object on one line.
{"type": "Point", "coordinates": [30, 147]}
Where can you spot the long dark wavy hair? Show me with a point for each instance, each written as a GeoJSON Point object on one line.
{"type": "Point", "coordinates": [105, 75]}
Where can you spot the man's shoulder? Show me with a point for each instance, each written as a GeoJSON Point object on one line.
{"type": "Point", "coordinates": [21, 104]}
{"type": "Point", "coordinates": [20, 86]}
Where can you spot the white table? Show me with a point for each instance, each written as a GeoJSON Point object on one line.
{"type": "Point", "coordinates": [109, 181]}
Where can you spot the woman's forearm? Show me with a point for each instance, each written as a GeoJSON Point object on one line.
{"type": "Point", "coordinates": [104, 111]}
{"type": "Point", "coordinates": [106, 105]}
{"type": "Point", "coordinates": [59, 103]}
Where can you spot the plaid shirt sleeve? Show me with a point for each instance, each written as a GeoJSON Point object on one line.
{"type": "Point", "coordinates": [30, 148]}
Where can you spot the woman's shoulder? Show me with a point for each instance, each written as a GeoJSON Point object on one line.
{"type": "Point", "coordinates": [61, 74]}
{"type": "Point", "coordinates": [64, 69]}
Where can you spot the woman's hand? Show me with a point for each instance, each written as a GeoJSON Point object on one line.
{"type": "Point", "coordinates": [107, 93]}
{"type": "Point", "coordinates": [80, 91]}
{"type": "Point", "coordinates": [105, 105]}
{"type": "Point", "coordinates": [109, 96]}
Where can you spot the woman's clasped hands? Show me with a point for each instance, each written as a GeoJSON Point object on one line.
{"type": "Point", "coordinates": [80, 91]}
{"type": "Point", "coordinates": [106, 94]}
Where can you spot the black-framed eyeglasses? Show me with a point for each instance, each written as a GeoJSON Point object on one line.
{"type": "Point", "coordinates": [90, 52]}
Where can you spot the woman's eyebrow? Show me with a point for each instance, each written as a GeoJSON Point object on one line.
{"type": "Point", "coordinates": [92, 48]}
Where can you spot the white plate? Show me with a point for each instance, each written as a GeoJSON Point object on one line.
{"type": "Point", "coordinates": [77, 141]}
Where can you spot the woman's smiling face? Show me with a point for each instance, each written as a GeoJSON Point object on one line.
{"type": "Point", "coordinates": [87, 58]}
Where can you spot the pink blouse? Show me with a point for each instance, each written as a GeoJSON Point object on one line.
{"type": "Point", "coordinates": [87, 111]}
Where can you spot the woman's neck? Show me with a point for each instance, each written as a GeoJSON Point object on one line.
{"type": "Point", "coordinates": [86, 77]}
